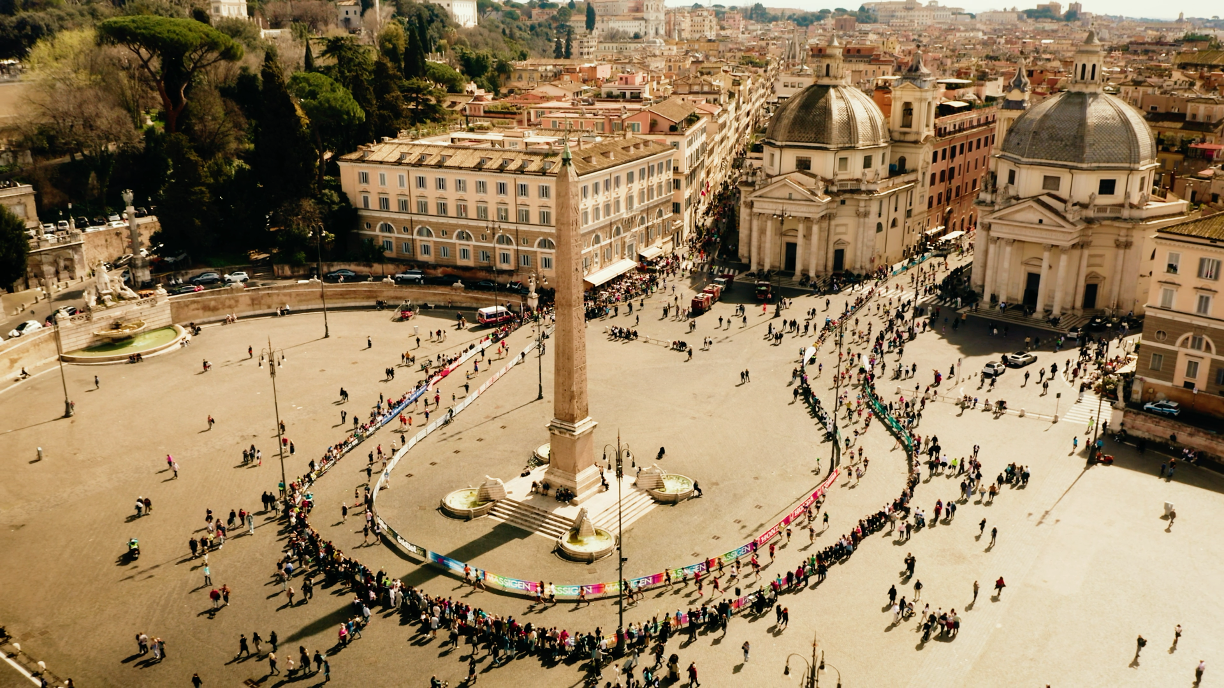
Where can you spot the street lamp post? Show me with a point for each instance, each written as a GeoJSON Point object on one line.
{"type": "Point", "coordinates": [620, 452]}
{"type": "Point", "coordinates": [835, 457]}
{"type": "Point", "coordinates": [280, 442]}
{"type": "Point", "coordinates": [59, 350]}
{"type": "Point", "coordinates": [319, 269]}
{"type": "Point", "coordinates": [533, 301]}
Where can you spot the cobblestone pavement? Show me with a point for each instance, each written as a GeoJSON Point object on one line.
{"type": "Point", "coordinates": [1088, 560]}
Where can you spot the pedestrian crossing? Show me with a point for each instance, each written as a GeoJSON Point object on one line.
{"type": "Point", "coordinates": [1086, 408]}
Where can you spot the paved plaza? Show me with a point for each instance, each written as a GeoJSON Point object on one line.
{"type": "Point", "coordinates": [1088, 559]}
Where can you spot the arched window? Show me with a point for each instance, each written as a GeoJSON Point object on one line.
{"type": "Point", "coordinates": [462, 235]}
{"type": "Point", "coordinates": [505, 240]}
{"type": "Point", "coordinates": [386, 228]}
{"type": "Point", "coordinates": [894, 222]}
{"type": "Point", "coordinates": [659, 215]}
{"type": "Point", "coordinates": [826, 70]}
{"type": "Point", "coordinates": [907, 115]}
{"type": "Point", "coordinates": [901, 165]}
{"type": "Point", "coordinates": [879, 227]}
{"type": "Point", "coordinates": [424, 232]}
{"type": "Point", "coordinates": [596, 240]}
{"type": "Point", "coordinates": [616, 231]}
{"type": "Point", "coordinates": [548, 244]}
{"type": "Point", "coordinates": [642, 221]}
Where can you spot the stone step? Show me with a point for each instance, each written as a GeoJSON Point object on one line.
{"type": "Point", "coordinates": [530, 518]}
{"type": "Point", "coordinates": [633, 506]}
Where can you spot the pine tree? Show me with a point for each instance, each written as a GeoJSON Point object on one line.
{"type": "Point", "coordinates": [308, 62]}
{"type": "Point", "coordinates": [569, 45]}
{"type": "Point", "coordinates": [558, 48]}
{"type": "Point", "coordinates": [590, 17]}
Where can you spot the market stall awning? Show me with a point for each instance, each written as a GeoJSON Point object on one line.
{"type": "Point", "coordinates": [954, 235]}
{"type": "Point", "coordinates": [651, 252]}
{"type": "Point", "coordinates": [610, 272]}
{"type": "Point", "coordinates": [935, 230]}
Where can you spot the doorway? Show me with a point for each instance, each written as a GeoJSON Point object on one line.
{"type": "Point", "coordinates": [839, 259]}
{"type": "Point", "coordinates": [1032, 282]}
{"type": "Point", "coordinates": [792, 251]}
{"type": "Point", "coordinates": [1090, 296]}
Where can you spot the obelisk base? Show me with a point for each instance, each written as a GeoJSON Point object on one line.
{"type": "Point", "coordinates": [571, 458]}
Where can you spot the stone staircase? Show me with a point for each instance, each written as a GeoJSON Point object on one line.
{"type": "Point", "coordinates": [530, 518]}
{"type": "Point", "coordinates": [634, 505]}
{"type": "Point", "coordinates": [1016, 317]}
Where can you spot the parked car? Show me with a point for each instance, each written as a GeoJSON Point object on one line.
{"type": "Point", "coordinates": [1018, 359]}
{"type": "Point", "coordinates": [98, 221]}
{"type": "Point", "coordinates": [443, 280]}
{"type": "Point", "coordinates": [346, 275]}
{"type": "Point", "coordinates": [485, 285]}
{"type": "Point", "coordinates": [62, 226]}
{"type": "Point", "coordinates": [82, 222]}
{"type": "Point", "coordinates": [1164, 408]}
{"type": "Point", "coordinates": [25, 328]}
{"type": "Point", "coordinates": [236, 277]}
{"type": "Point", "coordinates": [1075, 332]}
{"type": "Point", "coordinates": [186, 289]}
{"type": "Point", "coordinates": [65, 312]}
{"type": "Point", "coordinates": [114, 217]}
{"type": "Point", "coordinates": [48, 228]}
{"type": "Point", "coordinates": [410, 277]}
{"type": "Point", "coordinates": [123, 259]}
{"type": "Point", "coordinates": [141, 212]}
{"type": "Point", "coordinates": [993, 369]}
{"type": "Point", "coordinates": [206, 278]}
{"type": "Point", "coordinates": [517, 287]}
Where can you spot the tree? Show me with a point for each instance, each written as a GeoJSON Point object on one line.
{"type": "Point", "coordinates": [308, 60]}
{"type": "Point", "coordinates": [283, 157]}
{"type": "Point", "coordinates": [558, 48]}
{"type": "Point", "coordinates": [331, 110]}
{"type": "Point", "coordinates": [569, 45]}
{"type": "Point", "coordinates": [14, 246]}
{"type": "Point", "coordinates": [445, 76]}
{"type": "Point", "coordinates": [590, 17]}
{"type": "Point", "coordinates": [171, 53]}
{"type": "Point", "coordinates": [184, 202]}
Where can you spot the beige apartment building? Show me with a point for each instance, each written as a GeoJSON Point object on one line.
{"type": "Point", "coordinates": [458, 204]}
{"type": "Point", "coordinates": [1180, 356]}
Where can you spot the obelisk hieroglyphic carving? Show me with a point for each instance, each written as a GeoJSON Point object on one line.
{"type": "Point", "coordinates": [572, 450]}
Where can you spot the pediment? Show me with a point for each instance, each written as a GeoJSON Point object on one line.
{"type": "Point", "coordinates": [1034, 212]}
{"type": "Point", "coordinates": [785, 189]}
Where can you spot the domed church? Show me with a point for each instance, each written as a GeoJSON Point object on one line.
{"type": "Point", "coordinates": [1066, 213]}
{"type": "Point", "coordinates": [838, 180]}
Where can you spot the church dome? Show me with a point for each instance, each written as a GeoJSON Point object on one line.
{"type": "Point", "coordinates": [1081, 129]}
{"type": "Point", "coordinates": [828, 116]}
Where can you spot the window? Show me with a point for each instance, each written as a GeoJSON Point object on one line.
{"type": "Point", "coordinates": [524, 215]}
{"type": "Point", "coordinates": [365, 202]}
{"type": "Point", "coordinates": [484, 256]}
{"type": "Point", "coordinates": [420, 182]}
{"type": "Point", "coordinates": [444, 251]}
{"type": "Point", "coordinates": [1219, 377]}
{"type": "Point", "coordinates": [388, 245]}
{"type": "Point", "coordinates": [363, 177]}
{"type": "Point", "coordinates": [1172, 263]}
{"type": "Point", "coordinates": [521, 189]}
{"type": "Point", "coordinates": [935, 156]}
{"type": "Point", "coordinates": [482, 211]}
{"type": "Point", "coordinates": [546, 191]}
{"type": "Point", "coordinates": [843, 164]}
{"type": "Point", "coordinates": [461, 185]}
{"type": "Point", "coordinates": [1192, 370]}
{"type": "Point", "coordinates": [1011, 176]}
{"type": "Point", "coordinates": [503, 257]}
{"type": "Point", "coordinates": [465, 253]}
{"type": "Point", "coordinates": [524, 260]}
{"type": "Point", "coordinates": [382, 178]}
{"type": "Point", "coordinates": [676, 208]}
{"type": "Point", "coordinates": [403, 205]}
{"type": "Point", "coordinates": [1209, 268]}
{"type": "Point", "coordinates": [440, 183]}
{"type": "Point", "coordinates": [503, 214]}
{"type": "Point", "coordinates": [384, 203]}
{"type": "Point", "coordinates": [932, 179]}
{"type": "Point", "coordinates": [1106, 187]}
{"type": "Point", "coordinates": [546, 263]}
{"type": "Point", "coordinates": [907, 115]}
{"type": "Point", "coordinates": [546, 217]}
{"type": "Point", "coordinates": [482, 186]}
{"type": "Point", "coordinates": [867, 162]}
{"type": "Point", "coordinates": [422, 206]}
{"type": "Point", "coordinates": [586, 218]}
{"type": "Point", "coordinates": [424, 232]}
{"type": "Point", "coordinates": [595, 210]}
{"type": "Point", "coordinates": [1050, 183]}
{"type": "Point", "coordinates": [424, 249]}
{"type": "Point", "coordinates": [1202, 305]}
{"type": "Point", "coordinates": [386, 228]}
{"type": "Point", "coordinates": [502, 188]}
{"type": "Point", "coordinates": [442, 207]}
{"type": "Point", "coordinates": [406, 247]}
{"type": "Point", "coordinates": [803, 163]}
{"type": "Point", "coordinates": [942, 175]}
{"type": "Point", "coordinates": [403, 181]}
{"type": "Point", "coordinates": [463, 235]}
{"type": "Point", "coordinates": [461, 210]}
{"type": "Point", "coordinates": [1157, 362]}
{"type": "Point", "coordinates": [1195, 342]}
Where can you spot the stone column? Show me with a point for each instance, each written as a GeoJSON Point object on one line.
{"type": "Point", "coordinates": [981, 262]}
{"type": "Point", "coordinates": [1080, 276]}
{"type": "Point", "coordinates": [754, 251]}
{"type": "Point", "coordinates": [572, 452]}
{"type": "Point", "coordinates": [1059, 286]}
{"type": "Point", "coordinates": [768, 246]}
{"type": "Point", "coordinates": [862, 258]}
{"type": "Point", "coordinates": [829, 248]}
{"type": "Point", "coordinates": [1115, 280]}
{"type": "Point", "coordinates": [799, 222]}
{"type": "Point", "coordinates": [816, 249]}
{"type": "Point", "coordinates": [992, 266]}
{"type": "Point", "coordinates": [1005, 269]}
{"type": "Point", "coordinates": [1042, 288]}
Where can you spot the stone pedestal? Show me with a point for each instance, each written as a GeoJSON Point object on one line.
{"type": "Point", "coordinates": [571, 458]}
{"type": "Point", "coordinates": [491, 490]}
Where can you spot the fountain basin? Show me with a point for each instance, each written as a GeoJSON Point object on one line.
{"type": "Point", "coordinates": [586, 549]}
{"type": "Point", "coordinates": [124, 331]}
{"type": "Point", "coordinates": [675, 489]}
{"type": "Point", "coordinates": [466, 504]}
{"type": "Point", "coordinates": [541, 453]}
{"type": "Point", "coordinates": [145, 343]}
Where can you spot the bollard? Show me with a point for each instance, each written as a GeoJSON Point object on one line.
{"type": "Point", "coordinates": [40, 454]}
{"type": "Point", "coordinates": [1056, 419]}
{"type": "Point", "coordinates": [1021, 413]}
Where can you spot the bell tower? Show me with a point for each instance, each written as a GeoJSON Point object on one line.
{"type": "Point", "coordinates": [912, 118]}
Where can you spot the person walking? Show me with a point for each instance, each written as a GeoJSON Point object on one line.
{"type": "Point", "coordinates": [999, 585]}
{"type": "Point", "coordinates": [975, 591]}
{"type": "Point", "coordinates": [196, 681]}
{"type": "Point", "coordinates": [745, 648]}
{"type": "Point", "coordinates": [97, 383]}
{"type": "Point", "coordinates": [272, 664]}
{"type": "Point", "coordinates": [207, 575]}
{"type": "Point", "coordinates": [1140, 643]}
{"type": "Point", "coordinates": [1176, 635]}
{"type": "Point", "coordinates": [243, 648]}
{"type": "Point", "coordinates": [1198, 672]}
{"type": "Point", "coordinates": [994, 533]}
{"type": "Point", "coordinates": [692, 674]}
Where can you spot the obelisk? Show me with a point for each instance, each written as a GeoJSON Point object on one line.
{"type": "Point", "coordinates": [571, 454]}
